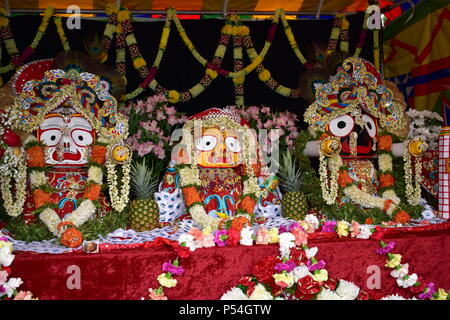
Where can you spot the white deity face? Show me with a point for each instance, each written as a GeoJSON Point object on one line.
{"type": "Point", "coordinates": [67, 137]}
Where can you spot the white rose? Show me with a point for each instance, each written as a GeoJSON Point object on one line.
{"type": "Point", "coordinates": [327, 294]}
{"type": "Point", "coordinates": [394, 297]}
{"type": "Point", "coordinates": [300, 272]}
{"type": "Point", "coordinates": [6, 256]}
{"type": "Point", "coordinates": [234, 294]}
{"type": "Point", "coordinates": [247, 236]}
{"type": "Point", "coordinates": [11, 285]}
{"type": "Point", "coordinates": [311, 252]}
{"type": "Point", "coordinates": [408, 282]}
{"type": "Point", "coordinates": [260, 293]}
{"type": "Point", "coordinates": [188, 240]}
{"type": "Point", "coordinates": [347, 290]}
{"type": "Point", "coordinates": [364, 231]}
{"type": "Point", "coordinates": [287, 241]}
{"type": "Point", "coordinates": [401, 272]}
{"type": "Point", "coordinates": [312, 221]}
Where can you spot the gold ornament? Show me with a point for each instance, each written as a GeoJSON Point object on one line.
{"type": "Point", "coordinates": [120, 153]}
{"type": "Point", "coordinates": [417, 147]}
{"type": "Point", "coordinates": [330, 146]}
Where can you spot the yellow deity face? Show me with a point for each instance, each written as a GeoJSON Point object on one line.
{"type": "Point", "coordinates": [218, 148]}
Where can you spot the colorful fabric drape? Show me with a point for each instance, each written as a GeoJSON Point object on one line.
{"type": "Point", "coordinates": [205, 5]}
{"type": "Point", "coordinates": [417, 54]}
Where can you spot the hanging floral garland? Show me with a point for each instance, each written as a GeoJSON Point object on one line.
{"type": "Point", "coordinates": [41, 189]}
{"type": "Point", "coordinates": [362, 36]}
{"type": "Point", "coordinates": [238, 62]}
{"type": "Point", "coordinates": [8, 39]}
{"type": "Point", "coordinates": [6, 34]}
{"type": "Point", "coordinates": [413, 193]}
{"type": "Point", "coordinates": [61, 33]}
{"type": "Point", "coordinates": [110, 30]}
{"type": "Point", "coordinates": [12, 167]}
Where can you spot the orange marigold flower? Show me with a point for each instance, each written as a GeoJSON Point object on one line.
{"type": "Point", "coordinates": [324, 136]}
{"type": "Point", "coordinates": [36, 157]}
{"type": "Point", "coordinates": [191, 195]}
{"type": "Point", "coordinates": [368, 221]}
{"type": "Point", "coordinates": [41, 198]}
{"type": "Point", "coordinates": [344, 179]}
{"type": "Point", "coordinates": [386, 180]}
{"type": "Point", "coordinates": [385, 143]}
{"type": "Point", "coordinates": [248, 204]}
{"type": "Point", "coordinates": [387, 204]}
{"type": "Point", "coordinates": [92, 192]}
{"type": "Point", "coordinates": [239, 223]}
{"type": "Point", "coordinates": [98, 154]}
{"type": "Point", "coordinates": [402, 217]}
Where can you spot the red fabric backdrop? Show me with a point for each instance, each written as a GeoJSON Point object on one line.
{"type": "Point", "coordinates": [210, 272]}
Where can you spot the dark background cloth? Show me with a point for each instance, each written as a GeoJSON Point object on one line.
{"type": "Point", "coordinates": [180, 71]}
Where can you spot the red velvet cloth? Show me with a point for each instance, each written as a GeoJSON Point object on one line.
{"type": "Point", "coordinates": [210, 272]}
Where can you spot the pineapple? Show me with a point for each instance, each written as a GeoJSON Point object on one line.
{"type": "Point", "coordinates": [294, 203]}
{"type": "Point", "coordinates": [144, 211]}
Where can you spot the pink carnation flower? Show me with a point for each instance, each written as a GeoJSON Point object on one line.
{"type": "Point", "coordinates": [262, 236]}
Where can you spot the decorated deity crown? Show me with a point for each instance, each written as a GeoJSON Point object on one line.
{"type": "Point", "coordinates": [357, 86]}
{"type": "Point", "coordinates": [217, 113]}
{"type": "Point", "coordinates": [40, 88]}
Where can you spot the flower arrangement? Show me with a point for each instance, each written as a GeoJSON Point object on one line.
{"type": "Point", "coordinates": [411, 281]}
{"type": "Point", "coordinates": [263, 118]}
{"type": "Point", "coordinates": [151, 123]}
{"type": "Point", "coordinates": [12, 166]}
{"type": "Point", "coordinates": [9, 287]}
{"type": "Point", "coordinates": [425, 125]}
{"type": "Point", "coordinates": [166, 279]}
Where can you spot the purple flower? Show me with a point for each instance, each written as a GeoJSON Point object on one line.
{"type": "Point", "coordinates": [4, 239]}
{"type": "Point", "coordinates": [386, 248]}
{"type": "Point", "coordinates": [315, 266]}
{"type": "Point", "coordinates": [329, 226]}
{"type": "Point", "coordinates": [294, 226]}
{"type": "Point", "coordinates": [2, 290]}
{"type": "Point", "coordinates": [429, 291]}
{"type": "Point", "coordinates": [288, 266]}
{"type": "Point", "coordinates": [282, 229]}
{"type": "Point", "coordinates": [220, 237]}
{"type": "Point", "coordinates": [169, 267]}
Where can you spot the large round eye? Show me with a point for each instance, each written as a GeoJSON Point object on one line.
{"type": "Point", "coordinates": [342, 126]}
{"type": "Point", "coordinates": [51, 137]}
{"type": "Point", "coordinates": [206, 143]}
{"type": "Point", "coordinates": [233, 144]}
{"type": "Point", "coordinates": [370, 125]}
{"type": "Point", "coordinates": [82, 138]}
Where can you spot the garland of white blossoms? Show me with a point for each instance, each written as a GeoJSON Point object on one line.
{"type": "Point", "coordinates": [78, 217]}
{"type": "Point", "coordinates": [14, 168]}
{"type": "Point", "coordinates": [419, 128]}
{"type": "Point", "coordinates": [413, 193]}
{"type": "Point", "coordinates": [329, 188]}
{"type": "Point", "coordinates": [119, 200]}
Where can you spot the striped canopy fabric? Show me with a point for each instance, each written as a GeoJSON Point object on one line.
{"type": "Point", "coordinates": [417, 54]}
{"type": "Point", "coordinates": [206, 5]}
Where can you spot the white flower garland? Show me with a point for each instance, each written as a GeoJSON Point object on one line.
{"type": "Point", "coordinates": [413, 193]}
{"type": "Point", "coordinates": [329, 188]}
{"type": "Point", "coordinates": [118, 200]}
{"type": "Point", "coordinates": [363, 198]}
{"type": "Point", "coordinates": [14, 205]}
{"type": "Point", "coordinates": [78, 217]}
